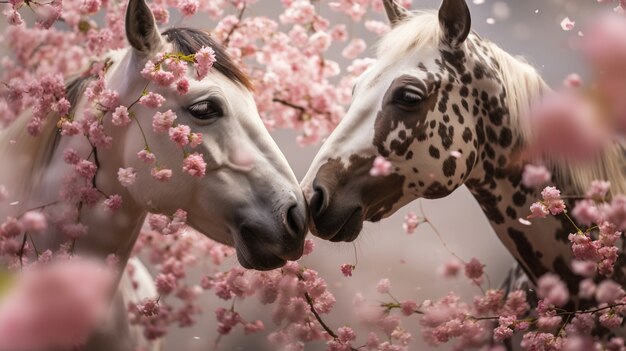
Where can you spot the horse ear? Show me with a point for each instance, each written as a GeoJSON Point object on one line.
{"type": "Point", "coordinates": [141, 29]}
{"type": "Point", "coordinates": [395, 12]}
{"type": "Point", "coordinates": [455, 20]}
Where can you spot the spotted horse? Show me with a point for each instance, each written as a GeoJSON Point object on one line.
{"type": "Point", "coordinates": [447, 108]}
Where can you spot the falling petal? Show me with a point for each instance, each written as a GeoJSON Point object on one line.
{"type": "Point", "coordinates": [567, 24]}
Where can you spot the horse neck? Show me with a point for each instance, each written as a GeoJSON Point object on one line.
{"type": "Point", "coordinates": [541, 247]}
{"type": "Point", "coordinates": [496, 183]}
{"type": "Point", "coordinates": [108, 233]}
{"type": "Point", "coordinates": [496, 180]}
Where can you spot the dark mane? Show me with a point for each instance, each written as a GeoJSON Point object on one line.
{"type": "Point", "coordinates": [188, 41]}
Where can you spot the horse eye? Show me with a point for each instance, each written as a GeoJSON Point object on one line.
{"type": "Point", "coordinates": [205, 110]}
{"type": "Point", "coordinates": [408, 97]}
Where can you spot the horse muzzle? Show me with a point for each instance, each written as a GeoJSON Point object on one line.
{"type": "Point", "coordinates": [266, 241]}
{"type": "Point", "coordinates": [333, 220]}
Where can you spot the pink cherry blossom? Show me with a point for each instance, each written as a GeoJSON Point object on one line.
{"type": "Point", "coordinates": [126, 176]}
{"type": "Point", "coordinates": [380, 167]}
{"type": "Point", "coordinates": [69, 128]}
{"type": "Point", "coordinates": [609, 291]}
{"type": "Point", "coordinates": [146, 156]}
{"type": "Point", "coordinates": [148, 307]}
{"type": "Point", "coordinates": [204, 59]}
{"type": "Point", "coordinates": [120, 116]}
{"type": "Point", "coordinates": [411, 221]}
{"type": "Point", "coordinates": [149, 70]}
{"type": "Point", "coordinates": [580, 135]}
{"type": "Point", "coordinates": [62, 300]}
{"type": "Point", "coordinates": [13, 17]}
{"type": "Point", "coordinates": [534, 176]}
{"type": "Point", "coordinates": [70, 156]}
{"type": "Point", "coordinates": [161, 174]}
{"type": "Point", "coordinates": [567, 24]}
{"type": "Point", "coordinates": [346, 334]}
{"type": "Point", "coordinates": [598, 189]}
{"type": "Point", "coordinates": [194, 165]}
{"type": "Point", "coordinates": [86, 169]}
{"type": "Point", "coordinates": [354, 49]}
{"type": "Point", "coordinates": [109, 99]}
{"type": "Point", "coordinates": [474, 269]}
{"type": "Point", "coordinates": [152, 100]}
{"type": "Point", "coordinates": [188, 7]}
{"type": "Point", "coordinates": [451, 268]}
{"type": "Point", "coordinates": [346, 269]}
{"type": "Point", "coordinates": [377, 27]}
{"type": "Point", "coordinates": [551, 288]}
{"type": "Point", "coordinates": [586, 212]}
{"type": "Point", "coordinates": [34, 221]}
{"type": "Point", "coordinates": [615, 212]}
{"type": "Point", "coordinates": [164, 78]}
{"type": "Point", "coordinates": [383, 286]}
{"type": "Point", "coordinates": [587, 288]}
{"type": "Point", "coordinates": [182, 86]}
{"type": "Point", "coordinates": [113, 203]}
{"type": "Point", "coordinates": [195, 139]}
{"type": "Point", "coordinates": [165, 283]}
{"type": "Point", "coordinates": [584, 268]}
{"type": "Point", "coordinates": [538, 210]}
{"type": "Point", "coordinates": [163, 121]}
{"type": "Point", "coordinates": [552, 200]}
{"type": "Point", "coordinates": [573, 80]}
{"type": "Point", "coordinates": [180, 134]}
{"type": "Point", "coordinates": [408, 307]}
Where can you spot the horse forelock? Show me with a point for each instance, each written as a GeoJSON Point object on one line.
{"type": "Point", "coordinates": [420, 29]}
{"type": "Point", "coordinates": [188, 41]}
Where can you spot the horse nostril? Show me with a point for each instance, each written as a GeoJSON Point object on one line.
{"type": "Point", "coordinates": [319, 201]}
{"type": "Point", "coordinates": [295, 221]}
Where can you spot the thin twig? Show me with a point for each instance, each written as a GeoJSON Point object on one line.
{"type": "Point", "coordinates": [21, 252]}
{"type": "Point", "coordinates": [432, 226]}
{"type": "Point", "coordinates": [234, 28]}
{"type": "Point", "coordinates": [560, 314]}
{"type": "Point", "coordinates": [572, 221]}
{"type": "Point", "coordinates": [392, 305]}
{"type": "Point", "coordinates": [289, 104]}
{"type": "Point", "coordinates": [326, 328]}
{"type": "Point", "coordinates": [309, 301]}
{"type": "Point", "coordinates": [32, 241]}
{"type": "Point", "coordinates": [445, 245]}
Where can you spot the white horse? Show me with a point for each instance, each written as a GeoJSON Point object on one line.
{"type": "Point", "coordinates": [446, 108]}
{"type": "Point", "coordinates": [256, 206]}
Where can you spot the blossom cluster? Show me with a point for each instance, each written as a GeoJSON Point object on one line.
{"type": "Point", "coordinates": [586, 115]}
{"type": "Point", "coordinates": [43, 54]}
{"type": "Point", "coordinates": [311, 101]}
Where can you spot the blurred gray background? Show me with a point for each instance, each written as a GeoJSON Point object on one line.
{"type": "Point", "coordinates": [530, 28]}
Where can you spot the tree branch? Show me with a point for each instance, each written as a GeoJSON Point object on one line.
{"type": "Point", "coordinates": [234, 28]}
{"type": "Point", "coordinates": [289, 104]}
{"type": "Point", "coordinates": [309, 302]}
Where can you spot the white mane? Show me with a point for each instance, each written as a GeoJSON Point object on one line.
{"type": "Point", "coordinates": [417, 31]}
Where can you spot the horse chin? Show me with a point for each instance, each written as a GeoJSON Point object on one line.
{"type": "Point", "coordinates": [259, 261]}
{"type": "Point", "coordinates": [346, 229]}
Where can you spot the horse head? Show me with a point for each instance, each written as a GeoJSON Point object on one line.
{"type": "Point", "coordinates": [249, 197]}
{"type": "Point", "coordinates": [425, 106]}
